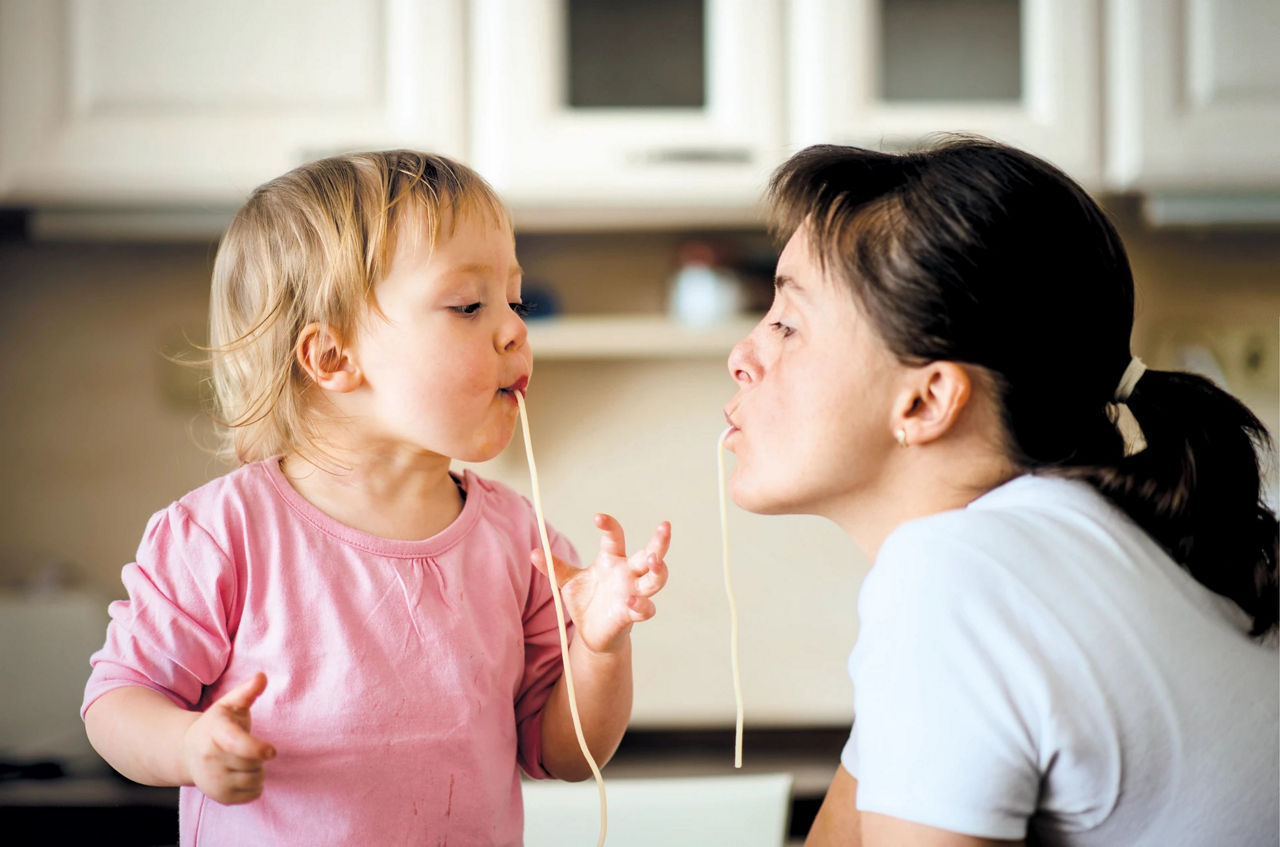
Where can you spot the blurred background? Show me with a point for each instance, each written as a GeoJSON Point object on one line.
{"type": "Point", "coordinates": [632, 141]}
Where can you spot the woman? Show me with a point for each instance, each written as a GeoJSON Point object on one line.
{"type": "Point", "coordinates": [1067, 636]}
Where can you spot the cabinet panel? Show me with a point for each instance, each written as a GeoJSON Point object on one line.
{"type": "Point", "coordinates": [1193, 94]}
{"type": "Point", "coordinates": [136, 101]}
{"type": "Point", "coordinates": [887, 73]}
{"type": "Point", "coordinates": [543, 133]}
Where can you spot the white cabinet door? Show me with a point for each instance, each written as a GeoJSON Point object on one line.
{"type": "Point", "coordinates": [1193, 94]}
{"type": "Point", "coordinates": [885, 74]}
{"type": "Point", "coordinates": [189, 101]}
{"type": "Point", "coordinates": [570, 109]}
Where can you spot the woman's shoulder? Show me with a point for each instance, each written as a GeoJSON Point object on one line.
{"type": "Point", "coordinates": [1005, 519]}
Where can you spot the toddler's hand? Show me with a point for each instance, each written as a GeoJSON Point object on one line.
{"type": "Point", "coordinates": [605, 599]}
{"type": "Point", "coordinates": [223, 759]}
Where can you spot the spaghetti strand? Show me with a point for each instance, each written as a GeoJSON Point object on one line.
{"type": "Point", "coordinates": [733, 608]}
{"type": "Point", "coordinates": [564, 636]}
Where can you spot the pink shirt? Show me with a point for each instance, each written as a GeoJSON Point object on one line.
{"type": "Point", "coordinates": [406, 679]}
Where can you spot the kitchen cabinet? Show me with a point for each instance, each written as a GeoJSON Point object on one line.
{"type": "Point", "coordinates": [887, 73]}
{"type": "Point", "coordinates": [592, 115]}
{"type": "Point", "coordinates": [1193, 95]}
{"type": "Point", "coordinates": [132, 102]}
{"type": "Point", "coordinates": [664, 103]}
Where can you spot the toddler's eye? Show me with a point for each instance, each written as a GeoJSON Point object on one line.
{"type": "Point", "coordinates": [521, 309]}
{"type": "Point", "coordinates": [469, 309]}
{"type": "Point", "coordinates": [780, 327]}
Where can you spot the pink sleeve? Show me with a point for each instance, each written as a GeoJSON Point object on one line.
{"type": "Point", "coordinates": [543, 666]}
{"type": "Point", "coordinates": [172, 634]}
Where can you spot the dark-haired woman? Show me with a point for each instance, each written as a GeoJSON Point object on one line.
{"type": "Point", "coordinates": [1066, 636]}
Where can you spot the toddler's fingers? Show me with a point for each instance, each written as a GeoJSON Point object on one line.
{"type": "Point", "coordinates": [660, 541]}
{"type": "Point", "coordinates": [641, 609]}
{"type": "Point", "coordinates": [244, 788]}
{"type": "Point", "coordinates": [652, 582]}
{"type": "Point", "coordinates": [612, 540]}
{"type": "Point", "coordinates": [236, 742]}
{"type": "Point", "coordinates": [240, 765]}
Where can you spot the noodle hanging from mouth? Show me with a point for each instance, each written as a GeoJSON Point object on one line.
{"type": "Point", "coordinates": [564, 636]}
{"type": "Point", "coordinates": [733, 608]}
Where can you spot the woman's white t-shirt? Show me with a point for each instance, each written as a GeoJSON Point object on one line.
{"type": "Point", "coordinates": [1034, 665]}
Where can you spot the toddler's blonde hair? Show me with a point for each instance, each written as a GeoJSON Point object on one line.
{"type": "Point", "coordinates": [309, 247]}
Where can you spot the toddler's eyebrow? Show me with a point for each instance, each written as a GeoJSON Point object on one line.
{"type": "Point", "coordinates": [482, 268]}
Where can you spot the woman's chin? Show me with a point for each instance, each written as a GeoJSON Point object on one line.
{"type": "Point", "coordinates": [758, 499]}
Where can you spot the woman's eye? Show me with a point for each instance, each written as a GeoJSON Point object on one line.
{"type": "Point", "coordinates": [521, 309]}
{"type": "Point", "coordinates": [469, 309]}
{"type": "Point", "coordinates": [781, 328]}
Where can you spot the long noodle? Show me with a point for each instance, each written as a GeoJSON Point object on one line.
{"type": "Point", "coordinates": [733, 608]}
{"type": "Point", "coordinates": [564, 636]}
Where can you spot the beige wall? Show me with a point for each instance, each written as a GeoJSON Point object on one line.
{"type": "Point", "coordinates": [99, 432]}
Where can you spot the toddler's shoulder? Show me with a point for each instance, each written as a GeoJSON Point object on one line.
{"type": "Point", "coordinates": [512, 514]}
{"type": "Point", "coordinates": [231, 490]}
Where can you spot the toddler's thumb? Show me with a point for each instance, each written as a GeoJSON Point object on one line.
{"type": "Point", "coordinates": [243, 695]}
{"type": "Point", "coordinates": [564, 570]}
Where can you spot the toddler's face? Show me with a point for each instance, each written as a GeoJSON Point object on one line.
{"type": "Point", "coordinates": [441, 363]}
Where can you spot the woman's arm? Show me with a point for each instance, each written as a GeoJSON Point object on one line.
{"type": "Point", "coordinates": [840, 823]}
{"type": "Point", "coordinates": [837, 822]}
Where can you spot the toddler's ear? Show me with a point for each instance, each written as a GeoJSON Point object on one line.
{"type": "Point", "coordinates": [320, 353]}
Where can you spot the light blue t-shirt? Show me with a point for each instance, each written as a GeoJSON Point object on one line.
{"type": "Point", "coordinates": [1036, 663]}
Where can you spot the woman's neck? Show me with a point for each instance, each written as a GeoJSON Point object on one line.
{"type": "Point", "coordinates": [409, 498]}
{"type": "Point", "coordinates": [922, 481]}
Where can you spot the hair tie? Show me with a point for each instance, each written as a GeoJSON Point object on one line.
{"type": "Point", "coordinates": [1129, 379]}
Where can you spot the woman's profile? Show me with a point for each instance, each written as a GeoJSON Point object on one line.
{"type": "Point", "coordinates": [1067, 635]}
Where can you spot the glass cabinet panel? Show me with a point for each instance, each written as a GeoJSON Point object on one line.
{"type": "Point", "coordinates": [636, 55]}
{"type": "Point", "coordinates": [942, 50]}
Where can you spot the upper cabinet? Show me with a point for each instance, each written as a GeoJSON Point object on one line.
{"type": "Point", "coordinates": [585, 112]}
{"type": "Point", "coordinates": [1193, 94]}
{"type": "Point", "coordinates": [136, 101]}
{"type": "Point", "coordinates": [665, 102]}
{"type": "Point", "coordinates": [888, 73]}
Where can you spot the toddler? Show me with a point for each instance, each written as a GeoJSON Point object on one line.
{"type": "Point", "coordinates": [342, 641]}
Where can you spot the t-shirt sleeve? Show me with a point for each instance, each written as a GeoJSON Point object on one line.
{"type": "Point", "coordinates": [543, 666]}
{"type": "Point", "coordinates": [946, 709]}
{"type": "Point", "coordinates": [171, 634]}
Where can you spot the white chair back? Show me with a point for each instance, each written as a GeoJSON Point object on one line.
{"type": "Point", "coordinates": [748, 810]}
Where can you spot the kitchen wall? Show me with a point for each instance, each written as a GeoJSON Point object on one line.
{"type": "Point", "coordinates": [101, 430]}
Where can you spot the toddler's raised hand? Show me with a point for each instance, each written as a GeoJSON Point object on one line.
{"type": "Point", "coordinates": [223, 759]}
{"type": "Point", "coordinates": [605, 599]}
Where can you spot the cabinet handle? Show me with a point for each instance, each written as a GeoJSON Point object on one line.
{"type": "Point", "coordinates": [693, 156]}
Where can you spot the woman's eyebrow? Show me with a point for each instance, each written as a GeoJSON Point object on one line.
{"type": "Point", "coordinates": [782, 281]}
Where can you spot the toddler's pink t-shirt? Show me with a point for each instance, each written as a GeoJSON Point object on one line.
{"type": "Point", "coordinates": [406, 679]}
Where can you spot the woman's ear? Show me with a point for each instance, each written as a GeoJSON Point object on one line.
{"type": "Point", "coordinates": [321, 354]}
{"type": "Point", "coordinates": [938, 392]}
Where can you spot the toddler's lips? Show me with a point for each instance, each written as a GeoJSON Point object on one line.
{"type": "Point", "coordinates": [520, 385]}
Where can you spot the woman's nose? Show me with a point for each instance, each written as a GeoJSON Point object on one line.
{"type": "Point", "coordinates": [743, 366]}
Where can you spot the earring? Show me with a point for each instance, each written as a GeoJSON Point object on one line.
{"type": "Point", "coordinates": [901, 435]}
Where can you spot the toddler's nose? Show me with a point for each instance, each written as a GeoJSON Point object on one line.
{"type": "Point", "coordinates": [513, 334]}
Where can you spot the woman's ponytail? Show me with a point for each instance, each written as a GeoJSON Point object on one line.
{"type": "Point", "coordinates": [1197, 486]}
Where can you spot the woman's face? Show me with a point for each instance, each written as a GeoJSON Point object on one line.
{"type": "Point", "coordinates": [811, 420]}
